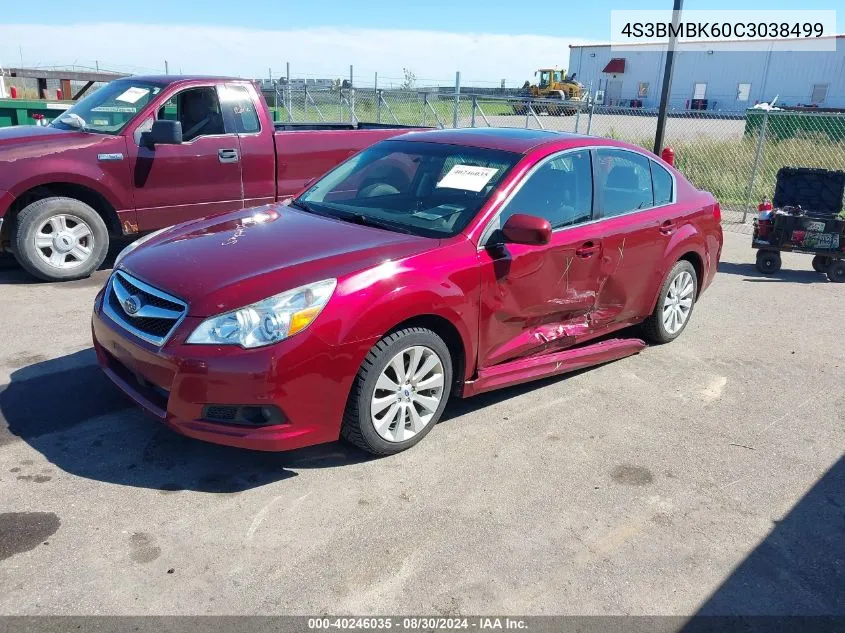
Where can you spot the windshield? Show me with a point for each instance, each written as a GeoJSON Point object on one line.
{"type": "Point", "coordinates": [428, 189]}
{"type": "Point", "coordinates": [109, 109]}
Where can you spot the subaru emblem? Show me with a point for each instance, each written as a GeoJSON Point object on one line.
{"type": "Point", "coordinates": [132, 305]}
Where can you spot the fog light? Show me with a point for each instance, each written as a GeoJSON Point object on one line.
{"type": "Point", "coordinates": [243, 415]}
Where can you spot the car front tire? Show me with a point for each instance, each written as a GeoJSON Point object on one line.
{"type": "Point", "coordinates": [399, 393]}
{"type": "Point", "coordinates": [675, 304]}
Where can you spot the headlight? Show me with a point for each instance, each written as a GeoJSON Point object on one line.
{"type": "Point", "coordinates": [131, 247]}
{"type": "Point", "coordinates": [267, 321]}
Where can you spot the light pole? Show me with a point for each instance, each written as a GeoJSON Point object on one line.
{"type": "Point", "coordinates": [667, 78]}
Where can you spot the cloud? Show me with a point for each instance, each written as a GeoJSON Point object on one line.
{"type": "Point", "coordinates": [324, 52]}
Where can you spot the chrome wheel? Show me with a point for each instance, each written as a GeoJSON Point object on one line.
{"type": "Point", "coordinates": [64, 241]}
{"type": "Point", "coordinates": [407, 394]}
{"type": "Point", "coordinates": [678, 302]}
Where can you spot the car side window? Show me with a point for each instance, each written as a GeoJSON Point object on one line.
{"type": "Point", "coordinates": [662, 182]}
{"type": "Point", "coordinates": [560, 191]}
{"type": "Point", "coordinates": [623, 181]}
{"type": "Point", "coordinates": [239, 110]}
{"type": "Point", "coordinates": [198, 109]}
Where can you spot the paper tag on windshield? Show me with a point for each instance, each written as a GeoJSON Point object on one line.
{"type": "Point", "coordinates": [467, 177]}
{"type": "Point", "coordinates": [133, 95]}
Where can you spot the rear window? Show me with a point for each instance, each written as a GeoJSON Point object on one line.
{"type": "Point", "coordinates": [624, 181]}
{"type": "Point", "coordinates": [662, 183]}
{"type": "Point", "coordinates": [239, 109]}
{"type": "Point", "coordinates": [429, 189]}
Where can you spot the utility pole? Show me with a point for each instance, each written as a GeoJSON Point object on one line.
{"type": "Point", "coordinates": [667, 78]}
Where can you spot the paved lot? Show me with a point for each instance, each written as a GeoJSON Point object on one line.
{"type": "Point", "coordinates": [703, 475]}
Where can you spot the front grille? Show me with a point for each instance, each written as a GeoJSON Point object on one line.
{"type": "Point", "coordinates": [146, 312]}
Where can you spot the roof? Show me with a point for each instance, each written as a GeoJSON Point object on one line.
{"type": "Point", "coordinates": [169, 79]}
{"type": "Point", "coordinates": [518, 140]}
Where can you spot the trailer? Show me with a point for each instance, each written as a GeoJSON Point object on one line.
{"type": "Point", "coordinates": [805, 217]}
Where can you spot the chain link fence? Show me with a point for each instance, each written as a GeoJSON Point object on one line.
{"type": "Point", "coordinates": [736, 156]}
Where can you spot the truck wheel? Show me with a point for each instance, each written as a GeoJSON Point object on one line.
{"type": "Point", "coordinates": [768, 262]}
{"type": "Point", "coordinates": [399, 393]}
{"type": "Point", "coordinates": [836, 271]}
{"type": "Point", "coordinates": [821, 263]}
{"type": "Point", "coordinates": [59, 239]}
{"type": "Point", "coordinates": [674, 304]}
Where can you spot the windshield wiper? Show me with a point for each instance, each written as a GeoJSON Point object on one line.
{"type": "Point", "coordinates": [348, 216]}
{"type": "Point", "coordinates": [303, 206]}
{"type": "Point", "coordinates": [365, 220]}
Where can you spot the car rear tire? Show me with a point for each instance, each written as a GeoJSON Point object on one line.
{"type": "Point", "coordinates": [59, 239]}
{"type": "Point", "coordinates": [821, 263]}
{"type": "Point", "coordinates": [399, 393]}
{"type": "Point", "coordinates": [768, 262]}
{"type": "Point", "coordinates": [675, 304]}
{"type": "Point", "coordinates": [836, 271]}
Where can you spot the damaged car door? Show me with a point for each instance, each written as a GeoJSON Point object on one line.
{"type": "Point", "coordinates": [636, 216]}
{"type": "Point", "coordinates": [535, 299]}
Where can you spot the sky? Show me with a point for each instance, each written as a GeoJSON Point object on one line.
{"type": "Point", "coordinates": [486, 41]}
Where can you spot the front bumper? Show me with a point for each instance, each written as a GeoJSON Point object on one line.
{"type": "Point", "coordinates": [6, 200]}
{"type": "Point", "coordinates": [308, 379]}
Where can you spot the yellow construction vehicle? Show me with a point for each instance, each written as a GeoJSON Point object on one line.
{"type": "Point", "coordinates": [556, 85]}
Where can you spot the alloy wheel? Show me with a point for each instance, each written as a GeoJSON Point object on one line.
{"type": "Point", "coordinates": [678, 302]}
{"type": "Point", "coordinates": [407, 394]}
{"type": "Point", "coordinates": [64, 241]}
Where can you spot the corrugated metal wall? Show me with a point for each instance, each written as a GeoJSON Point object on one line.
{"type": "Point", "coordinates": [790, 75]}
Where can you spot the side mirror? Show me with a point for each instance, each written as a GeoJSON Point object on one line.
{"type": "Point", "coordinates": [527, 229]}
{"type": "Point", "coordinates": [163, 133]}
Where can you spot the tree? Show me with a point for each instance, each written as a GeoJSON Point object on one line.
{"type": "Point", "coordinates": [410, 79]}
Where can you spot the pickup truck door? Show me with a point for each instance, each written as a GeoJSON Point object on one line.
{"type": "Point", "coordinates": [200, 177]}
{"type": "Point", "coordinates": [245, 113]}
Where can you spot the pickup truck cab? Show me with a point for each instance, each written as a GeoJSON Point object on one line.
{"type": "Point", "coordinates": [143, 153]}
{"type": "Point", "coordinates": [437, 263]}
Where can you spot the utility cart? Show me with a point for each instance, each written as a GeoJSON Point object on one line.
{"type": "Point", "coordinates": [805, 216]}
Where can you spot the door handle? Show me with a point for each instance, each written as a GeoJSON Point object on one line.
{"type": "Point", "coordinates": [587, 249]}
{"type": "Point", "coordinates": [227, 155]}
{"type": "Point", "coordinates": [667, 228]}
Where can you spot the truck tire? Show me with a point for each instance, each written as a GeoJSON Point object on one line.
{"type": "Point", "coordinates": [836, 271]}
{"type": "Point", "coordinates": [768, 262]}
{"type": "Point", "coordinates": [675, 304]}
{"type": "Point", "coordinates": [59, 239]}
{"type": "Point", "coordinates": [399, 393]}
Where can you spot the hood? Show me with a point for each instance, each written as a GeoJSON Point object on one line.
{"type": "Point", "coordinates": [32, 141]}
{"type": "Point", "coordinates": [225, 262]}
{"type": "Point", "coordinates": [18, 134]}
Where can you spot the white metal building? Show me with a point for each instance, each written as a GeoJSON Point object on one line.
{"type": "Point", "coordinates": [713, 79]}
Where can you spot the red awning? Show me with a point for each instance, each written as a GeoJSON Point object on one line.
{"type": "Point", "coordinates": [615, 66]}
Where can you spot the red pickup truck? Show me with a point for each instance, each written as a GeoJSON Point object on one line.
{"type": "Point", "coordinates": [144, 153]}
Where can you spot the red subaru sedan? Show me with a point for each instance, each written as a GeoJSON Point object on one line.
{"type": "Point", "coordinates": [435, 264]}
